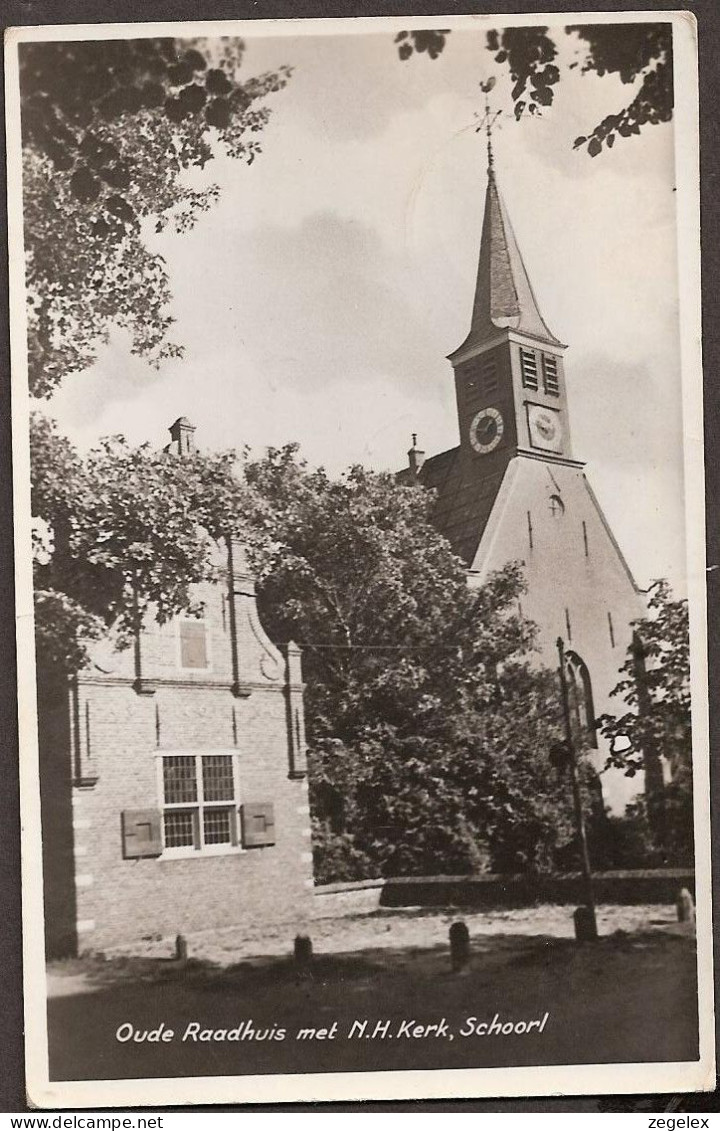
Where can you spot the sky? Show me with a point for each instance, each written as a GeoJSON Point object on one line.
{"type": "Point", "coordinates": [319, 299]}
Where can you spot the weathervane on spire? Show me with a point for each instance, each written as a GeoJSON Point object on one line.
{"type": "Point", "coordinates": [489, 118]}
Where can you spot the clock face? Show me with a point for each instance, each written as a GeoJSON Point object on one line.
{"type": "Point", "coordinates": [545, 429]}
{"type": "Point", "coordinates": [486, 430]}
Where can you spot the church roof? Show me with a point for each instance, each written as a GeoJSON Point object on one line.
{"type": "Point", "coordinates": [504, 297]}
{"type": "Point", "coordinates": [464, 499]}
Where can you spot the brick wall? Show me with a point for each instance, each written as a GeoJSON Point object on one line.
{"type": "Point", "coordinates": [101, 749]}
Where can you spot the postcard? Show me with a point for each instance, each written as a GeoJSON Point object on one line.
{"type": "Point", "coordinates": [357, 415]}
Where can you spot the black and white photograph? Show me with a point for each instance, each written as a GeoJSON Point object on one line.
{"type": "Point", "coordinates": [359, 519]}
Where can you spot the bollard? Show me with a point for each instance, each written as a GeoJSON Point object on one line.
{"type": "Point", "coordinates": [685, 906]}
{"type": "Point", "coordinates": [181, 948]}
{"type": "Point", "coordinates": [459, 946]}
{"type": "Point", "coordinates": [585, 926]}
{"type": "Point", "coordinates": [303, 952]}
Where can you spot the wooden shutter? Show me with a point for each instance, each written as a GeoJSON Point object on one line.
{"type": "Point", "coordinates": [529, 369]}
{"type": "Point", "coordinates": [258, 824]}
{"type": "Point", "coordinates": [141, 833]}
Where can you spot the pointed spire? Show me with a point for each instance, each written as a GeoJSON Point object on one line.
{"type": "Point", "coordinates": [504, 297]}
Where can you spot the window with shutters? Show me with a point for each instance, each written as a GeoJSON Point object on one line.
{"type": "Point", "coordinates": [529, 369]}
{"type": "Point", "coordinates": [200, 803]}
{"type": "Point", "coordinates": [194, 650]}
{"type": "Point", "coordinates": [551, 381]}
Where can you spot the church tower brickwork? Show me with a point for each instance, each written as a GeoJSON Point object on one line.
{"type": "Point", "coordinates": [512, 490]}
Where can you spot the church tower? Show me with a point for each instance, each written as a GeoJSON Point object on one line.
{"type": "Point", "coordinates": [509, 379]}
{"type": "Point", "coordinates": [512, 490]}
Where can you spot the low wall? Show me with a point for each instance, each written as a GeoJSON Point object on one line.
{"type": "Point", "coordinates": [659, 885]}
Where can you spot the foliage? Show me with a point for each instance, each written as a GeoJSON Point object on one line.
{"type": "Point", "coordinates": [429, 730]}
{"type": "Point", "coordinates": [432, 42]}
{"type": "Point", "coordinates": [624, 842]}
{"type": "Point", "coordinates": [665, 642]}
{"type": "Point", "coordinates": [354, 570]}
{"type": "Point", "coordinates": [631, 51]}
{"type": "Point", "coordinates": [469, 789]}
{"type": "Point", "coordinates": [110, 130]}
{"type": "Point", "coordinates": [665, 725]}
{"type": "Point", "coordinates": [127, 531]}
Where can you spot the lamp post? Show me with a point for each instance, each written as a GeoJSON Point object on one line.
{"type": "Point", "coordinates": [585, 919]}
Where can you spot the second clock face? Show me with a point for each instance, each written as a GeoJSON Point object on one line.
{"type": "Point", "coordinates": [486, 430]}
{"type": "Point", "coordinates": [545, 430]}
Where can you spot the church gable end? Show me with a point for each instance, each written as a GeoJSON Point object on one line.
{"type": "Point", "coordinates": [512, 491]}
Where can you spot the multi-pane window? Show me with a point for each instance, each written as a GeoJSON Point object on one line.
{"type": "Point", "coordinates": [200, 803]}
{"type": "Point", "coordinates": [551, 382]}
{"type": "Point", "coordinates": [528, 368]}
{"type": "Point", "coordinates": [193, 643]}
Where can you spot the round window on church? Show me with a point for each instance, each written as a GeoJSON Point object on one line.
{"type": "Point", "coordinates": [557, 506]}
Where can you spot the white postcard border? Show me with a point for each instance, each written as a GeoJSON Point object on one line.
{"type": "Point", "coordinates": [458, 1083]}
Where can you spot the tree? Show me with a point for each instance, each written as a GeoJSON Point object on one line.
{"type": "Point", "coordinates": [110, 129]}
{"type": "Point", "coordinates": [123, 534]}
{"type": "Point", "coordinates": [429, 727]}
{"type": "Point", "coordinates": [468, 787]}
{"type": "Point", "coordinates": [355, 570]}
{"type": "Point", "coordinates": [632, 51]}
{"type": "Point", "coordinates": [655, 687]}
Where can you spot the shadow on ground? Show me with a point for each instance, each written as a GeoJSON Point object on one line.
{"type": "Point", "coordinates": [628, 997]}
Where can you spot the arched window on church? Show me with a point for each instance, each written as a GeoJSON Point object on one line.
{"type": "Point", "coordinates": [580, 700]}
{"type": "Point", "coordinates": [557, 506]}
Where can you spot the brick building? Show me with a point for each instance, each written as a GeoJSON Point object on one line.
{"type": "Point", "coordinates": [173, 776]}
{"type": "Point", "coordinates": [512, 490]}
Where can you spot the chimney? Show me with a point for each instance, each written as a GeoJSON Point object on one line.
{"type": "Point", "coordinates": [416, 458]}
{"type": "Point", "coordinates": [182, 434]}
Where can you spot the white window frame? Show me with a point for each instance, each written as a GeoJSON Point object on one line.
{"type": "Point", "coordinates": [202, 851]}
{"type": "Point", "coordinates": [203, 620]}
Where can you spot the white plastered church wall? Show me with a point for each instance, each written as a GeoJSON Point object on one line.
{"type": "Point", "coordinates": [579, 586]}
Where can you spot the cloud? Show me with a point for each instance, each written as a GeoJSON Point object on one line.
{"type": "Point", "coordinates": [318, 300]}
{"type": "Point", "coordinates": [352, 87]}
{"type": "Point", "coordinates": [304, 307]}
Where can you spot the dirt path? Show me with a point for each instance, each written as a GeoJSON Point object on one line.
{"type": "Point", "coordinates": [352, 923]}
{"type": "Point", "coordinates": [629, 997]}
